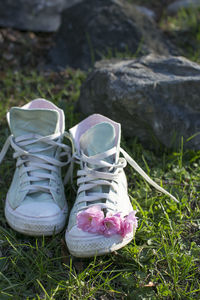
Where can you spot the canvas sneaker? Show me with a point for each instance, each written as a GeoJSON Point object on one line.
{"type": "Point", "coordinates": [102, 219]}
{"type": "Point", "coordinates": [35, 203]}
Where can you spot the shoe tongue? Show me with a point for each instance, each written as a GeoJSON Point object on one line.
{"type": "Point", "coordinates": [98, 139]}
{"type": "Point", "coordinates": [33, 121]}
{"type": "Point", "coordinates": [43, 122]}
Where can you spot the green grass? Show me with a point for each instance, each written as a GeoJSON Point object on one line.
{"type": "Point", "coordinates": [162, 262]}
{"type": "Point", "coordinates": [184, 30]}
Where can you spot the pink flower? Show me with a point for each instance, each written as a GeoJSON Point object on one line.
{"type": "Point", "coordinates": [128, 224]}
{"type": "Point", "coordinates": [110, 225]}
{"type": "Point", "coordinates": [89, 220]}
{"type": "Point", "coordinates": [92, 220]}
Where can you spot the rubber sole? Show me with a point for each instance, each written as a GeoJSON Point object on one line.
{"type": "Point", "coordinates": [95, 247]}
{"type": "Point", "coordinates": [35, 226]}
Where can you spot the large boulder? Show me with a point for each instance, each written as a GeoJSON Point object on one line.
{"type": "Point", "coordinates": [69, 3]}
{"type": "Point", "coordinates": [92, 30]}
{"type": "Point", "coordinates": [33, 15]}
{"type": "Point", "coordinates": [155, 98]}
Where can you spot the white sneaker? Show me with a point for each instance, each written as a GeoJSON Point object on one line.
{"type": "Point", "coordinates": [35, 203]}
{"type": "Point", "coordinates": [102, 219]}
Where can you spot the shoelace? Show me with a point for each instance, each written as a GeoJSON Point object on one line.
{"type": "Point", "coordinates": [91, 177]}
{"type": "Point", "coordinates": [38, 166]}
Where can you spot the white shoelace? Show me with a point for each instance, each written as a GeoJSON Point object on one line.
{"type": "Point", "coordinates": [91, 177]}
{"type": "Point", "coordinates": [34, 162]}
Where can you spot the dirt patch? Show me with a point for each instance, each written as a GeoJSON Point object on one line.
{"type": "Point", "coordinates": [23, 50]}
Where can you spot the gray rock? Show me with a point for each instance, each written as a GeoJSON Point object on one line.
{"type": "Point", "coordinates": [95, 29]}
{"type": "Point", "coordinates": [174, 7]}
{"type": "Point", "coordinates": [69, 3]}
{"type": "Point", "coordinates": [146, 11]}
{"type": "Point", "coordinates": [33, 15]}
{"type": "Point", "coordinates": [155, 98]}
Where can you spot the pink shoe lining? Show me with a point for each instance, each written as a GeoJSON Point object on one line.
{"type": "Point", "coordinates": [92, 120]}
{"type": "Point", "coordinates": [45, 104]}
